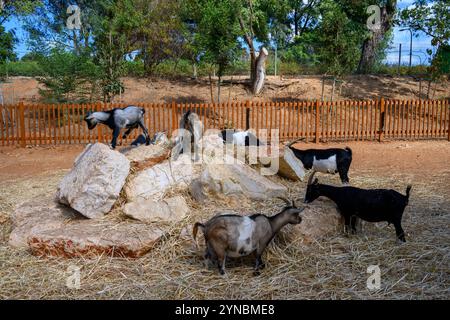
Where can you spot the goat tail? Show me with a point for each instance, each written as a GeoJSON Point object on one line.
{"type": "Point", "coordinates": [349, 151]}
{"type": "Point", "coordinates": [408, 191]}
{"type": "Point", "coordinates": [195, 230]}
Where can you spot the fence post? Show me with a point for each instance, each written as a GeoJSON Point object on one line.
{"type": "Point", "coordinates": [448, 107]}
{"type": "Point", "coordinates": [99, 128]}
{"type": "Point", "coordinates": [317, 121]}
{"type": "Point", "coordinates": [382, 119]}
{"type": "Point", "coordinates": [174, 119]}
{"type": "Point", "coordinates": [247, 115]}
{"type": "Point", "coordinates": [23, 142]}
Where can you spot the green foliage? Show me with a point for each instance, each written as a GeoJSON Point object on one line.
{"type": "Point", "coordinates": [68, 77]}
{"type": "Point", "coordinates": [21, 68]}
{"type": "Point", "coordinates": [7, 40]}
{"type": "Point", "coordinates": [431, 17]}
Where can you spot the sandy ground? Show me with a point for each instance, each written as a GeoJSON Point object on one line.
{"type": "Point", "coordinates": [331, 268]}
{"type": "Point", "coordinates": [387, 158]}
{"type": "Point", "coordinates": [234, 89]}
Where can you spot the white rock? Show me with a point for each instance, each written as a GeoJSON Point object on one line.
{"type": "Point", "coordinates": [153, 183]}
{"type": "Point", "coordinates": [168, 210]}
{"type": "Point", "coordinates": [321, 218]}
{"type": "Point", "coordinates": [239, 178]}
{"type": "Point", "coordinates": [94, 183]}
{"type": "Point", "coordinates": [50, 229]}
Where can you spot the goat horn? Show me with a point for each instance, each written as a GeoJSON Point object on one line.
{"type": "Point", "coordinates": [311, 178]}
{"type": "Point", "coordinates": [285, 200]}
{"type": "Point", "coordinates": [294, 142]}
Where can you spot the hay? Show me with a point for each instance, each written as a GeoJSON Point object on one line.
{"type": "Point", "coordinates": [332, 268]}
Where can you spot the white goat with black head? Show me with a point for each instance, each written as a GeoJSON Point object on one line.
{"type": "Point", "coordinates": [232, 235]}
{"type": "Point", "coordinates": [190, 133]}
{"type": "Point", "coordinates": [129, 118]}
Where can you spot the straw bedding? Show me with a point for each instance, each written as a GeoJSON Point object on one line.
{"type": "Point", "coordinates": [331, 268]}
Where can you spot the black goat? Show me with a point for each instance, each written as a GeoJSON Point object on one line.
{"type": "Point", "coordinates": [326, 161]}
{"type": "Point", "coordinates": [370, 205]}
{"type": "Point", "coordinates": [129, 118]}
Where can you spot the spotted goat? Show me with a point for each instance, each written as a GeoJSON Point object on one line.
{"type": "Point", "coordinates": [235, 236]}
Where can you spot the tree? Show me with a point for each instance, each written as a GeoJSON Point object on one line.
{"type": "Point", "coordinates": [375, 40]}
{"type": "Point", "coordinates": [216, 32]}
{"type": "Point", "coordinates": [162, 34]}
{"type": "Point", "coordinates": [114, 35]}
{"type": "Point", "coordinates": [431, 18]}
{"type": "Point", "coordinates": [68, 77]}
{"type": "Point", "coordinates": [254, 18]}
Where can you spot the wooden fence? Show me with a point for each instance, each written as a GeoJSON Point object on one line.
{"type": "Point", "coordinates": [372, 120]}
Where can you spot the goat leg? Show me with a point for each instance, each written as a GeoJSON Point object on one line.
{"type": "Point", "coordinates": [353, 219]}
{"type": "Point", "coordinates": [144, 128]}
{"type": "Point", "coordinates": [399, 231]}
{"type": "Point", "coordinates": [127, 133]}
{"type": "Point", "coordinates": [116, 133]}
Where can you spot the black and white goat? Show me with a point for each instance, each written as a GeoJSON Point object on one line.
{"type": "Point", "coordinates": [240, 138]}
{"type": "Point", "coordinates": [232, 235]}
{"type": "Point", "coordinates": [326, 160]}
{"type": "Point", "coordinates": [189, 134]}
{"type": "Point", "coordinates": [374, 205]}
{"type": "Point", "coordinates": [129, 118]}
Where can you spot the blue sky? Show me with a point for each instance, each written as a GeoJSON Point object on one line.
{"type": "Point", "coordinates": [421, 42]}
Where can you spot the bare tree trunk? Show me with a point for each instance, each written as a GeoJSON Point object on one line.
{"type": "Point", "coordinates": [211, 88]}
{"type": "Point", "coordinates": [260, 71]}
{"type": "Point", "coordinates": [428, 90]}
{"type": "Point", "coordinates": [334, 88]}
{"type": "Point", "coordinates": [371, 45]}
{"type": "Point", "coordinates": [195, 70]}
{"type": "Point", "coordinates": [218, 89]}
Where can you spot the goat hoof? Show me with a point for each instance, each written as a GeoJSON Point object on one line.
{"type": "Point", "coordinates": [222, 272]}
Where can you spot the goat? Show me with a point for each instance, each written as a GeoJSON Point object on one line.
{"type": "Point", "coordinates": [237, 236]}
{"type": "Point", "coordinates": [374, 205]}
{"type": "Point", "coordinates": [189, 135]}
{"type": "Point", "coordinates": [240, 138]}
{"type": "Point", "coordinates": [128, 118]}
{"type": "Point", "coordinates": [158, 138]}
{"type": "Point", "coordinates": [326, 161]}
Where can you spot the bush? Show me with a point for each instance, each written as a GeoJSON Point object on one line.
{"type": "Point", "coordinates": [21, 68]}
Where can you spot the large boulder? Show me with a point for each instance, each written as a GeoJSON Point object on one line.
{"type": "Point", "coordinates": [87, 239]}
{"type": "Point", "coordinates": [50, 229]}
{"type": "Point", "coordinates": [146, 156]}
{"type": "Point", "coordinates": [36, 216]}
{"type": "Point", "coordinates": [154, 182]}
{"type": "Point", "coordinates": [240, 179]}
{"type": "Point", "coordinates": [168, 210]}
{"type": "Point", "coordinates": [321, 218]}
{"type": "Point", "coordinates": [286, 164]}
{"type": "Point", "coordinates": [95, 181]}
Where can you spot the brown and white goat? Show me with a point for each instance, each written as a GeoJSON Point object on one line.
{"type": "Point", "coordinates": [235, 236]}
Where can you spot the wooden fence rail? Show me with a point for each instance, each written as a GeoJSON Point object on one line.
{"type": "Point", "coordinates": [316, 121]}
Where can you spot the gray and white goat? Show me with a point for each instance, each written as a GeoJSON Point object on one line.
{"type": "Point", "coordinates": [129, 118]}
{"type": "Point", "coordinates": [232, 235]}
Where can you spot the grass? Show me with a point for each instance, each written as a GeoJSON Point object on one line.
{"type": "Point", "coordinates": [329, 268]}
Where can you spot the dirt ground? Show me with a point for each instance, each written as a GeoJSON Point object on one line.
{"type": "Point", "coordinates": [381, 158]}
{"type": "Point", "coordinates": [234, 89]}
{"type": "Point", "coordinates": [331, 268]}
